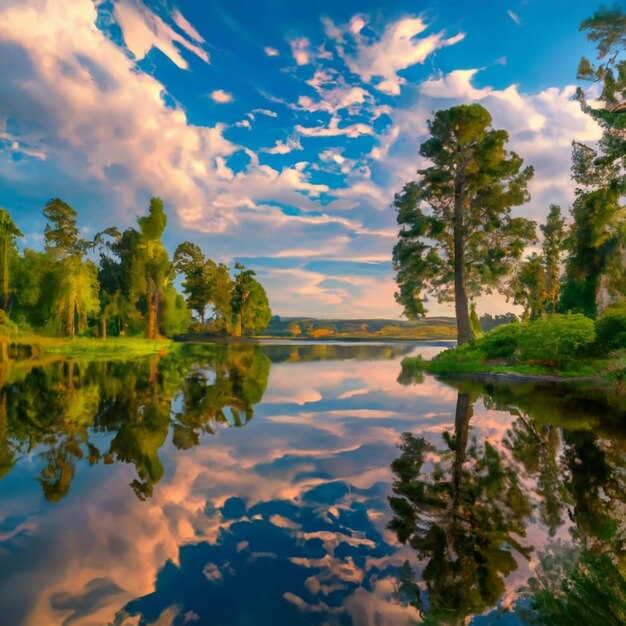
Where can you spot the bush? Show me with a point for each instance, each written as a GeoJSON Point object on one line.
{"type": "Point", "coordinates": [557, 338]}
{"type": "Point", "coordinates": [502, 341]}
{"type": "Point", "coordinates": [611, 329]}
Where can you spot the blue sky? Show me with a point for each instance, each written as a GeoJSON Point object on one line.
{"type": "Point", "coordinates": [276, 132]}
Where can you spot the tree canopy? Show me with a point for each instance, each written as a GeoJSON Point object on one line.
{"type": "Point", "coordinates": [457, 236]}
{"type": "Point", "coordinates": [130, 291]}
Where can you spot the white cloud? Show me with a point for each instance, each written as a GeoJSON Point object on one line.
{"type": "Point", "coordinates": [271, 52]}
{"type": "Point", "coordinates": [267, 112]}
{"type": "Point", "coordinates": [143, 30]}
{"type": "Point", "coordinates": [221, 97]}
{"type": "Point", "coordinates": [456, 84]}
{"type": "Point", "coordinates": [300, 48]}
{"type": "Point", "coordinates": [333, 129]}
{"type": "Point", "coordinates": [281, 147]}
{"type": "Point", "coordinates": [515, 17]}
{"type": "Point", "coordinates": [186, 27]}
{"type": "Point", "coordinates": [378, 61]}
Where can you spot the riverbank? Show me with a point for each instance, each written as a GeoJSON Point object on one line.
{"type": "Point", "coordinates": [450, 364]}
{"type": "Point", "coordinates": [259, 339]}
{"type": "Point", "coordinates": [35, 345]}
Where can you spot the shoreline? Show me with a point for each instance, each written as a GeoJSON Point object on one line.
{"type": "Point", "coordinates": [185, 338]}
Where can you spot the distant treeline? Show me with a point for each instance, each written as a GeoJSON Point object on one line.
{"type": "Point", "coordinates": [312, 328]}
{"type": "Point", "coordinates": [129, 291]}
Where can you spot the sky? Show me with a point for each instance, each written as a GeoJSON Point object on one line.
{"type": "Point", "coordinates": [276, 131]}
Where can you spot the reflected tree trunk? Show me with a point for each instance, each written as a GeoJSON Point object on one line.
{"type": "Point", "coordinates": [463, 414]}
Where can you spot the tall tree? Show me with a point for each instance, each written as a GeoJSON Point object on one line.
{"type": "Point", "coordinates": [607, 29]}
{"type": "Point", "coordinates": [76, 284]}
{"type": "Point", "coordinates": [8, 233]}
{"type": "Point", "coordinates": [199, 275]}
{"type": "Point", "coordinates": [155, 261]}
{"type": "Point", "coordinates": [528, 287]}
{"type": "Point", "coordinates": [536, 283]}
{"type": "Point", "coordinates": [595, 274]}
{"type": "Point", "coordinates": [457, 237]}
{"type": "Point", "coordinates": [552, 251]}
{"type": "Point", "coordinates": [251, 309]}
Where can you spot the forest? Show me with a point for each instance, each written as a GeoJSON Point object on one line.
{"type": "Point", "coordinates": [121, 284]}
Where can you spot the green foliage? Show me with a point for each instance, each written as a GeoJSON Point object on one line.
{"type": "Point", "coordinates": [536, 282]}
{"type": "Point", "coordinates": [175, 316]}
{"type": "Point", "coordinates": [595, 270]}
{"type": "Point", "coordinates": [528, 287]}
{"type": "Point", "coordinates": [199, 274]}
{"type": "Point", "coordinates": [8, 233]}
{"type": "Point", "coordinates": [62, 292]}
{"type": "Point", "coordinates": [477, 330]}
{"type": "Point", "coordinates": [457, 237]}
{"type": "Point", "coordinates": [611, 329]}
{"type": "Point", "coordinates": [552, 250]}
{"type": "Point", "coordinates": [502, 341]}
{"type": "Point", "coordinates": [250, 306]}
{"type": "Point", "coordinates": [555, 338]}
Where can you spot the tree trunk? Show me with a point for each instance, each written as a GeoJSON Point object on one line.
{"type": "Point", "coordinates": [461, 302]}
{"type": "Point", "coordinates": [5, 272]}
{"type": "Point", "coordinates": [104, 328]}
{"type": "Point", "coordinates": [71, 322]}
{"type": "Point", "coordinates": [153, 311]}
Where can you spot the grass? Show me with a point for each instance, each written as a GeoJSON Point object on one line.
{"type": "Point", "coordinates": [471, 360]}
{"type": "Point", "coordinates": [88, 346]}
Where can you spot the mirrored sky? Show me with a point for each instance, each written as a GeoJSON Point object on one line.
{"type": "Point", "coordinates": [277, 132]}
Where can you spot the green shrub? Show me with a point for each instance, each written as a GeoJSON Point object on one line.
{"type": "Point", "coordinates": [502, 341]}
{"type": "Point", "coordinates": [557, 338]}
{"type": "Point", "coordinates": [611, 329]}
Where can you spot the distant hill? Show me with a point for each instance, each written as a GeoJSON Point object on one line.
{"type": "Point", "coordinates": [313, 328]}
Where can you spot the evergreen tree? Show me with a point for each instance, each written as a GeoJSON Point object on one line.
{"type": "Point", "coordinates": [457, 237]}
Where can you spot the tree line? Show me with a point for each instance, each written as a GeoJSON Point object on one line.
{"type": "Point", "coordinates": [130, 290]}
{"type": "Point", "coordinates": [458, 238]}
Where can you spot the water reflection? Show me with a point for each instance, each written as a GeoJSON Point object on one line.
{"type": "Point", "coordinates": [465, 508]}
{"type": "Point", "coordinates": [462, 510]}
{"type": "Point", "coordinates": [109, 412]}
{"type": "Point", "coordinates": [503, 505]}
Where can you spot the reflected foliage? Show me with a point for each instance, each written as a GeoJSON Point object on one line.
{"type": "Point", "coordinates": [65, 412]}
{"type": "Point", "coordinates": [461, 507]}
{"type": "Point", "coordinates": [562, 463]}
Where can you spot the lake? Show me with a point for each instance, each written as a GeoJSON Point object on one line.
{"type": "Point", "coordinates": [305, 484]}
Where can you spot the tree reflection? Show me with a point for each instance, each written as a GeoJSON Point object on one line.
{"type": "Point", "coordinates": [567, 447]}
{"type": "Point", "coordinates": [65, 412]}
{"type": "Point", "coordinates": [462, 508]}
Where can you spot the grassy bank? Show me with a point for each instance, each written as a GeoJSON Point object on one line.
{"type": "Point", "coordinates": [451, 364]}
{"type": "Point", "coordinates": [553, 347]}
{"type": "Point", "coordinates": [91, 347]}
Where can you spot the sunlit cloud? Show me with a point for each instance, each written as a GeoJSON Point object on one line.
{"type": "Point", "coordinates": [221, 97]}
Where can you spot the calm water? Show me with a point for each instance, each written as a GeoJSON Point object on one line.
{"type": "Point", "coordinates": [305, 484]}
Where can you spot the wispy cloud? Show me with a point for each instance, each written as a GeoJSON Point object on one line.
{"type": "Point", "coordinates": [271, 52]}
{"type": "Point", "coordinates": [515, 17]}
{"type": "Point", "coordinates": [143, 30]}
{"type": "Point", "coordinates": [399, 47]}
{"type": "Point", "coordinates": [281, 147]}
